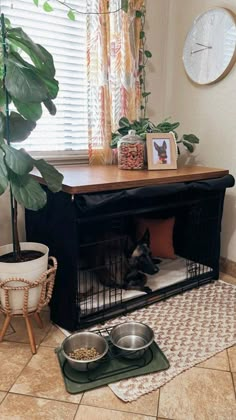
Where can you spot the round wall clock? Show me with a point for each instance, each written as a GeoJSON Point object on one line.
{"type": "Point", "coordinates": [210, 46]}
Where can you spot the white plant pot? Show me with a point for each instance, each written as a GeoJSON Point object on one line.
{"type": "Point", "coordinates": [29, 270]}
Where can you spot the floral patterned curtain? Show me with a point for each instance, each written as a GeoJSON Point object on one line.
{"type": "Point", "coordinates": [113, 73]}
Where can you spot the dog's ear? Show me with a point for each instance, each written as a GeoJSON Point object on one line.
{"type": "Point", "coordinates": [156, 146]}
{"type": "Point", "coordinates": [145, 238]}
{"type": "Point", "coordinates": [164, 145]}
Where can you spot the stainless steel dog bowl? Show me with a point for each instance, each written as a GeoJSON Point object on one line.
{"type": "Point", "coordinates": [132, 338]}
{"type": "Point", "coordinates": [87, 340]}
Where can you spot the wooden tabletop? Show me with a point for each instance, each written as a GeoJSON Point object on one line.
{"type": "Point", "coordinates": [85, 179]}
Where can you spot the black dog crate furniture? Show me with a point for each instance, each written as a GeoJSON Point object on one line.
{"type": "Point", "coordinates": [90, 225]}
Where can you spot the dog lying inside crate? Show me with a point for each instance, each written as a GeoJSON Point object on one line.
{"type": "Point", "coordinates": [117, 264]}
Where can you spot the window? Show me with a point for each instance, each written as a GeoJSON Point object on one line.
{"type": "Point", "coordinates": [65, 134]}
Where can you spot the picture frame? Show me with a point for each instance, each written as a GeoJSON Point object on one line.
{"type": "Point", "coordinates": [161, 151]}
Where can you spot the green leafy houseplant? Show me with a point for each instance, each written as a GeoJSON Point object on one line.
{"type": "Point", "coordinates": [144, 126]}
{"type": "Point", "coordinates": [28, 83]}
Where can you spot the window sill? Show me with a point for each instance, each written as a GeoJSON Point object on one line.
{"type": "Point", "coordinates": [63, 158]}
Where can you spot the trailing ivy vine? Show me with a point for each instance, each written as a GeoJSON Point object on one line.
{"type": "Point", "coordinates": [72, 11]}
{"type": "Point", "coordinates": [144, 53]}
{"type": "Point", "coordinates": [143, 125]}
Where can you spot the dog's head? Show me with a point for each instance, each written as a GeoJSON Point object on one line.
{"type": "Point", "coordinates": [140, 257]}
{"type": "Point", "coordinates": [161, 150]}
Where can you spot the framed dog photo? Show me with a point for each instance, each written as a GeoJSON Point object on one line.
{"type": "Point", "coordinates": [161, 151]}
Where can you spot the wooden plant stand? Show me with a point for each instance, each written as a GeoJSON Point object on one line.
{"type": "Point", "coordinates": [46, 282]}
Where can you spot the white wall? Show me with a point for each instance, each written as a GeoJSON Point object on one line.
{"type": "Point", "coordinates": [156, 28]}
{"type": "Point", "coordinates": [207, 111]}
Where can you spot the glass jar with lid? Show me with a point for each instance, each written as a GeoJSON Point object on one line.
{"type": "Point", "coordinates": [131, 151]}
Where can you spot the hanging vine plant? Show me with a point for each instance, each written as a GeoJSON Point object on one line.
{"type": "Point", "coordinates": [144, 53]}
{"type": "Point", "coordinates": [145, 56]}
{"type": "Point", "coordinates": [72, 11]}
{"type": "Point", "coordinates": [143, 125]}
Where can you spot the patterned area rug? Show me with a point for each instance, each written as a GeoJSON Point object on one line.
{"type": "Point", "coordinates": [189, 328]}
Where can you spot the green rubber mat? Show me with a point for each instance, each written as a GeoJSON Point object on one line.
{"type": "Point", "coordinates": [112, 368]}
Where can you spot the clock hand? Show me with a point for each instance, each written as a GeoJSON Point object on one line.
{"type": "Point", "coordinates": [202, 49]}
{"type": "Point", "coordinates": [202, 45]}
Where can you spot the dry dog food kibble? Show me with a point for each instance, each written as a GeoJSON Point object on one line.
{"type": "Point", "coordinates": [131, 155]}
{"type": "Point", "coordinates": [131, 151]}
{"type": "Point", "coordinates": [84, 353]}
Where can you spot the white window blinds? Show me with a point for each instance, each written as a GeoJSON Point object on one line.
{"type": "Point", "coordinates": [67, 131]}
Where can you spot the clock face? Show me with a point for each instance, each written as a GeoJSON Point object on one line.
{"type": "Point", "coordinates": [210, 47]}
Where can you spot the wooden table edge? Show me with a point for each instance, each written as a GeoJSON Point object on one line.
{"type": "Point", "coordinates": [113, 185]}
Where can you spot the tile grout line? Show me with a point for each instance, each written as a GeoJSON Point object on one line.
{"type": "Point", "coordinates": [164, 418]}
{"type": "Point", "coordinates": [234, 385]}
{"type": "Point", "coordinates": [119, 411]}
{"type": "Point", "coordinates": [77, 410]}
{"type": "Point", "coordinates": [231, 373]}
{"type": "Point", "coordinates": [43, 398]}
{"type": "Point", "coordinates": [161, 418]}
{"type": "Point", "coordinates": [158, 402]}
{"type": "Point", "coordinates": [8, 392]}
{"type": "Point", "coordinates": [23, 342]}
{"type": "Point", "coordinates": [35, 396]}
{"type": "Point", "coordinates": [208, 368]}
{"type": "Point", "coordinates": [78, 406]}
{"type": "Point", "coordinates": [229, 357]}
{"type": "Point", "coordinates": [47, 332]}
{"type": "Point", "coordinates": [4, 397]}
{"type": "Point", "coordinates": [22, 368]}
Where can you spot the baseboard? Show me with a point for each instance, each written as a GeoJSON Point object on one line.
{"type": "Point", "coordinates": [228, 266]}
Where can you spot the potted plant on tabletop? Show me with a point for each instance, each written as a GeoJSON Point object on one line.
{"type": "Point", "coordinates": [27, 81]}
{"type": "Point", "coordinates": [144, 126]}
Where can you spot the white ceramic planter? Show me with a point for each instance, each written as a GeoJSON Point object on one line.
{"type": "Point", "coordinates": [29, 270]}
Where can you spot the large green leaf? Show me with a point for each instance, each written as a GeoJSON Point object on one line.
{"type": "Point", "coordinates": [17, 160]}
{"type": "Point", "coordinates": [41, 58]}
{"type": "Point", "coordinates": [1, 59]}
{"type": "Point", "coordinates": [50, 106]}
{"type": "Point", "coordinates": [30, 111]}
{"type": "Point", "coordinates": [20, 39]}
{"type": "Point", "coordinates": [124, 122]}
{"type": "Point", "coordinates": [47, 65]}
{"type": "Point", "coordinates": [114, 141]}
{"type": "Point", "coordinates": [2, 97]}
{"type": "Point", "coordinates": [52, 177]}
{"type": "Point", "coordinates": [3, 173]}
{"type": "Point", "coordinates": [191, 138]}
{"type": "Point", "coordinates": [51, 84]}
{"type": "Point", "coordinates": [16, 57]}
{"type": "Point", "coordinates": [2, 126]}
{"type": "Point", "coordinates": [22, 83]}
{"type": "Point", "coordinates": [20, 128]}
{"type": "Point", "coordinates": [44, 74]}
{"type": "Point", "coordinates": [27, 191]}
{"type": "Point", "coordinates": [188, 146]}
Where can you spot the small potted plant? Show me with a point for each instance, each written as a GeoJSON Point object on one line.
{"type": "Point", "coordinates": [144, 126]}
{"type": "Point", "coordinates": [27, 83]}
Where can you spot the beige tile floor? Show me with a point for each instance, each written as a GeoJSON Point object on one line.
{"type": "Point", "coordinates": [31, 387]}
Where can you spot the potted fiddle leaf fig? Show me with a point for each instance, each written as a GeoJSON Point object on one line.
{"type": "Point", "coordinates": [27, 83]}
